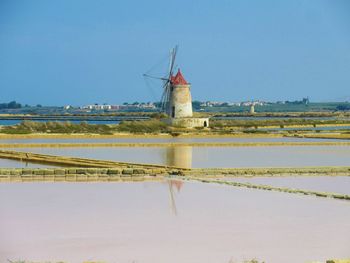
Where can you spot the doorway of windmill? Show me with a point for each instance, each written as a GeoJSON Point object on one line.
{"type": "Point", "coordinates": [205, 124]}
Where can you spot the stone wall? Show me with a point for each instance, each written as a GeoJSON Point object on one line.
{"type": "Point", "coordinates": [80, 174]}
{"type": "Point", "coordinates": [180, 102]}
{"type": "Point", "coordinates": [188, 122]}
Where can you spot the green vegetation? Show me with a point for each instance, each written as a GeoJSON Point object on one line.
{"type": "Point", "coordinates": [338, 261]}
{"type": "Point", "coordinates": [318, 135]}
{"type": "Point", "coordinates": [153, 124]}
{"type": "Point", "coordinates": [27, 127]}
{"type": "Point", "coordinates": [280, 122]}
{"type": "Point", "coordinates": [10, 105]}
{"type": "Point", "coordinates": [149, 126]}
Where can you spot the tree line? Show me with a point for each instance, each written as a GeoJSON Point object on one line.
{"type": "Point", "coordinates": [10, 105]}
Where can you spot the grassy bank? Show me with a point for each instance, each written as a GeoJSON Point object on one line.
{"type": "Point", "coordinates": [291, 114]}
{"type": "Point", "coordinates": [335, 135]}
{"type": "Point", "coordinates": [281, 123]}
{"type": "Point", "coordinates": [156, 126]}
{"type": "Point", "coordinates": [28, 127]}
{"type": "Point", "coordinates": [152, 126]}
{"type": "Point", "coordinates": [134, 135]}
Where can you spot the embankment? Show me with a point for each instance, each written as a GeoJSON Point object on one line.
{"type": "Point", "coordinates": [173, 144]}
{"type": "Point", "coordinates": [339, 136]}
{"type": "Point", "coordinates": [72, 161]}
{"type": "Point", "coordinates": [81, 174]}
{"type": "Point", "coordinates": [270, 171]}
{"type": "Point", "coordinates": [135, 175]}
{"type": "Point", "coordinates": [271, 188]}
{"type": "Point", "coordinates": [64, 161]}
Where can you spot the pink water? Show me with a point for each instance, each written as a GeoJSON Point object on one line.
{"type": "Point", "coordinates": [157, 222]}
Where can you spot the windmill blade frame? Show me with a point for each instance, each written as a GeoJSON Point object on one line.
{"type": "Point", "coordinates": [167, 80]}
{"type": "Point", "coordinates": [167, 84]}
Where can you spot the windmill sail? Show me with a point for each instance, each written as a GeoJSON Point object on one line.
{"type": "Point", "coordinates": [166, 81]}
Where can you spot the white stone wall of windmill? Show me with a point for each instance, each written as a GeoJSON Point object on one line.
{"type": "Point", "coordinates": [177, 100]}
{"type": "Point", "coordinates": [180, 102]}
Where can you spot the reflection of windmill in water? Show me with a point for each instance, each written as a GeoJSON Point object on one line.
{"type": "Point", "coordinates": [176, 99]}
{"type": "Point", "coordinates": [174, 184]}
{"type": "Point", "coordinates": [179, 156]}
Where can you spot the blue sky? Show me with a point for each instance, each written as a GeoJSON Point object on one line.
{"type": "Point", "coordinates": [81, 51]}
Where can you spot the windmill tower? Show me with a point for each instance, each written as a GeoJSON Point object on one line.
{"type": "Point", "coordinates": [176, 99]}
{"type": "Point", "coordinates": [180, 100]}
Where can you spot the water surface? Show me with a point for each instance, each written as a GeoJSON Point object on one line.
{"type": "Point", "coordinates": [206, 157]}
{"type": "Point", "coordinates": [7, 163]}
{"type": "Point", "coordinates": [167, 140]}
{"type": "Point", "coordinates": [140, 222]}
{"type": "Point", "coordinates": [335, 184]}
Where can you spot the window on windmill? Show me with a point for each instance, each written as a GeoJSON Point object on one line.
{"type": "Point", "coordinates": [173, 112]}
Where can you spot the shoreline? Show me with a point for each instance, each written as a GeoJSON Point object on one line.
{"type": "Point", "coordinates": [313, 135]}
{"type": "Point", "coordinates": [69, 161]}
{"type": "Point", "coordinates": [131, 135]}
{"type": "Point", "coordinates": [172, 144]}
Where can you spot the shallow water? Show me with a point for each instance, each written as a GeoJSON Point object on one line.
{"type": "Point", "coordinates": [138, 222]}
{"type": "Point", "coordinates": [7, 163]}
{"type": "Point", "coordinates": [335, 184]}
{"type": "Point", "coordinates": [167, 140]}
{"type": "Point", "coordinates": [206, 157]}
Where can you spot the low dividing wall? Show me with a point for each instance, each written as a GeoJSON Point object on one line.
{"type": "Point", "coordinates": [272, 188]}
{"type": "Point", "coordinates": [284, 171]}
{"type": "Point", "coordinates": [135, 174]}
{"type": "Point", "coordinates": [80, 174]}
{"type": "Point", "coordinates": [116, 173]}
{"type": "Point", "coordinates": [73, 161]}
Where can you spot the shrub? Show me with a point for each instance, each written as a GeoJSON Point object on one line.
{"type": "Point", "coordinates": [149, 126]}
{"type": "Point", "coordinates": [27, 127]}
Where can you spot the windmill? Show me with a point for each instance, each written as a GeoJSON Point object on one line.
{"type": "Point", "coordinates": [167, 81]}
{"type": "Point", "coordinates": [176, 100]}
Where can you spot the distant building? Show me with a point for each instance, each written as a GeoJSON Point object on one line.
{"type": "Point", "coordinates": [252, 109]}
{"type": "Point", "coordinates": [98, 107]}
{"type": "Point", "coordinates": [147, 105]}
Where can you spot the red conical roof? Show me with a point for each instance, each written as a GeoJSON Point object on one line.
{"type": "Point", "coordinates": [178, 79]}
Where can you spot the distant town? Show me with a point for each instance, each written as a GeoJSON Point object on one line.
{"type": "Point", "coordinates": [303, 104]}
